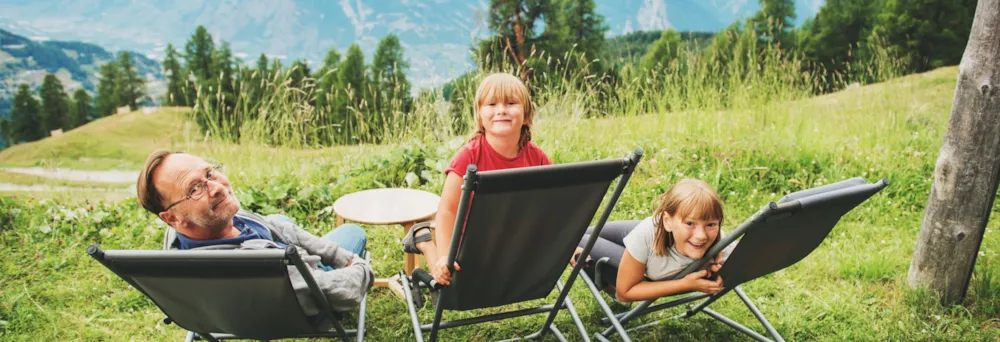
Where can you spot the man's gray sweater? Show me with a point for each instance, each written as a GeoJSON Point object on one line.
{"type": "Point", "coordinates": [344, 286]}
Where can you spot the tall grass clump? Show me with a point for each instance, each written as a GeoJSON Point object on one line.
{"type": "Point", "coordinates": [737, 70]}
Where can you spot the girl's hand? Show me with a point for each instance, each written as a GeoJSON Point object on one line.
{"type": "Point", "coordinates": [576, 255]}
{"type": "Point", "coordinates": [441, 273]}
{"type": "Point", "coordinates": [696, 282]}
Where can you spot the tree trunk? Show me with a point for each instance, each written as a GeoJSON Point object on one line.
{"type": "Point", "coordinates": [967, 169]}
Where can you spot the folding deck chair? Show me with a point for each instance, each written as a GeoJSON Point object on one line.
{"type": "Point", "coordinates": [521, 228]}
{"type": "Point", "coordinates": [777, 236]}
{"type": "Point", "coordinates": [228, 294]}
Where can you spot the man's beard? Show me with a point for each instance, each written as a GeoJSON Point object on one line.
{"type": "Point", "coordinates": [217, 218]}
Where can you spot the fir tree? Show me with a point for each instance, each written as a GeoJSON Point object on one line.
{"type": "Point", "coordinates": [55, 108]}
{"type": "Point", "coordinates": [176, 78]}
{"type": "Point", "coordinates": [389, 78]}
{"type": "Point", "coordinates": [83, 111]}
{"type": "Point", "coordinates": [24, 115]}
{"type": "Point", "coordinates": [129, 86]}
{"type": "Point", "coordinates": [107, 98]}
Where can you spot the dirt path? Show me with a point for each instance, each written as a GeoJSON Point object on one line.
{"type": "Point", "coordinates": [49, 188]}
{"type": "Point", "coordinates": [78, 175]}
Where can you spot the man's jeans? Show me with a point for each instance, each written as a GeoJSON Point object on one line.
{"type": "Point", "coordinates": [347, 236]}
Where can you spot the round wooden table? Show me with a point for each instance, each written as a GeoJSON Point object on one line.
{"type": "Point", "coordinates": [392, 206]}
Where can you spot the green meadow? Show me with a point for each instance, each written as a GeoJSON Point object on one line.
{"type": "Point", "coordinates": [853, 287]}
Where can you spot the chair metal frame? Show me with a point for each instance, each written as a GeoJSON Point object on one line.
{"type": "Point", "coordinates": [562, 302]}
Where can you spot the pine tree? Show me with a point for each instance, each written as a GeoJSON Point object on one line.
{"type": "Point", "coordinates": [129, 85]}
{"type": "Point", "coordinates": [24, 114]}
{"type": "Point", "coordinates": [583, 27]}
{"type": "Point", "coordinates": [198, 54]}
{"type": "Point", "coordinates": [351, 74]}
{"type": "Point", "coordinates": [262, 71]}
{"type": "Point", "coordinates": [834, 36]}
{"type": "Point", "coordinates": [83, 110]}
{"type": "Point", "coordinates": [107, 98]}
{"type": "Point", "coordinates": [515, 23]}
{"type": "Point", "coordinates": [222, 66]}
{"type": "Point", "coordinates": [54, 107]}
{"type": "Point", "coordinates": [389, 78]}
{"type": "Point", "coordinates": [773, 23]}
{"type": "Point", "coordinates": [176, 78]}
{"type": "Point", "coordinates": [328, 94]}
{"type": "Point", "coordinates": [297, 73]}
{"type": "Point", "coordinates": [71, 119]}
{"type": "Point", "coordinates": [6, 133]}
{"type": "Point", "coordinates": [926, 33]}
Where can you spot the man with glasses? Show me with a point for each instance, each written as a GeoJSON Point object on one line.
{"type": "Point", "coordinates": [197, 200]}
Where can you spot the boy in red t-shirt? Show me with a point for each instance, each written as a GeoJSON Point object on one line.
{"type": "Point", "coordinates": [504, 114]}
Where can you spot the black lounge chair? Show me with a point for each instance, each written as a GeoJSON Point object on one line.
{"type": "Point", "coordinates": [776, 237]}
{"type": "Point", "coordinates": [521, 226]}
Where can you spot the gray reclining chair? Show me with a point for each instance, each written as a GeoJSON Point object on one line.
{"type": "Point", "coordinates": [521, 226]}
{"type": "Point", "coordinates": [777, 236]}
{"type": "Point", "coordinates": [228, 294]}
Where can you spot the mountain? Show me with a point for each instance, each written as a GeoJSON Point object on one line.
{"type": "Point", "coordinates": [76, 64]}
{"type": "Point", "coordinates": [436, 34]}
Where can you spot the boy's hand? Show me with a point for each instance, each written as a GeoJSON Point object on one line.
{"type": "Point", "coordinates": [696, 282]}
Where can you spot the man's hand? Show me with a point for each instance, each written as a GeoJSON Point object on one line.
{"type": "Point", "coordinates": [441, 273]}
{"type": "Point", "coordinates": [351, 260]}
{"type": "Point", "coordinates": [696, 282]}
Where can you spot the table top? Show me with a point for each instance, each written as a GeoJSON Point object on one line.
{"type": "Point", "coordinates": [387, 206]}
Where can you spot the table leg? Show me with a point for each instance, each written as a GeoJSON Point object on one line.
{"type": "Point", "coordinates": [340, 220]}
{"type": "Point", "coordinates": [411, 259]}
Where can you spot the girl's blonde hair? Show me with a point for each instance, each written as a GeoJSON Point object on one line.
{"type": "Point", "coordinates": [688, 197]}
{"type": "Point", "coordinates": [503, 87]}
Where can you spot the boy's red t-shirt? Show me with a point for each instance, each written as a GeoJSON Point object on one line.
{"type": "Point", "coordinates": [478, 151]}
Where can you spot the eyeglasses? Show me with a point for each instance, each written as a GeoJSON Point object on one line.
{"type": "Point", "coordinates": [198, 190]}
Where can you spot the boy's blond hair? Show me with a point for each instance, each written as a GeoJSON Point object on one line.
{"type": "Point", "coordinates": [504, 87]}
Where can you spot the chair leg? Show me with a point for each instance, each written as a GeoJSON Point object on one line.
{"type": "Point", "coordinates": [438, 311]}
{"type": "Point", "coordinates": [615, 324]}
{"type": "Point", "coordinates": [735, 325]}
{"type": "Point", "coordinates": [559, 334]}
{"type": "Point", "coordinates": [207, 337]}
{"type": "Point", "coordinates": [360, 335]}
{"type": "Point", "coordinates": [576, 317]}
{"type": "Point", "coordinates": [409, 307]}
{"type": "Point", "coordinates": [760, 316]}
{"type": "Point", "coordinates": [189, 337]}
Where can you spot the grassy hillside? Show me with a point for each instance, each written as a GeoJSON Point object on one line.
{"type": "Point", "coordinates": [114, 142]}
{"type": "Point", "coordinates": [852, 288]}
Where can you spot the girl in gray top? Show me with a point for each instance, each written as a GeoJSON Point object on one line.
{"type": "Point", "coordinates": [685, 224]}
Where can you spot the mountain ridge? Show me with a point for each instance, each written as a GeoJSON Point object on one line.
{"type": "Point", "coordinates": [435, 34]}
{"type": "Point", "coordinates": [76, 64]}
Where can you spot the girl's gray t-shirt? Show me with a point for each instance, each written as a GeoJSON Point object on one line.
{"type": "Point", "coordinates": [639, 243]}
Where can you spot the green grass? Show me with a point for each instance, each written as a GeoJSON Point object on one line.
{"type": "Point", "coordinates": [852, 287]}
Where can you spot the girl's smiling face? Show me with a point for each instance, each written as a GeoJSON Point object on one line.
{"type": "Point", "coordinates": [501, 116]}
{"type": "Point", "coordinates": [692, 236]}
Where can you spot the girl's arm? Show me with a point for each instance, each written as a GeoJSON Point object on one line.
{"type": "Point", "coordinates": [444, 227]}
{"type": "Point", "coordinates": [632, 287]}
{"type": "Point", "coordinates": [444, 220]}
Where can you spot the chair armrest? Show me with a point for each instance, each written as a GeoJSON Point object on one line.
{"type": "Point", "coordinates": [426, 278]}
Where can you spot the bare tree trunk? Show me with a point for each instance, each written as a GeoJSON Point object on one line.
{"type": "Point", "coordinates": [967, 169]}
